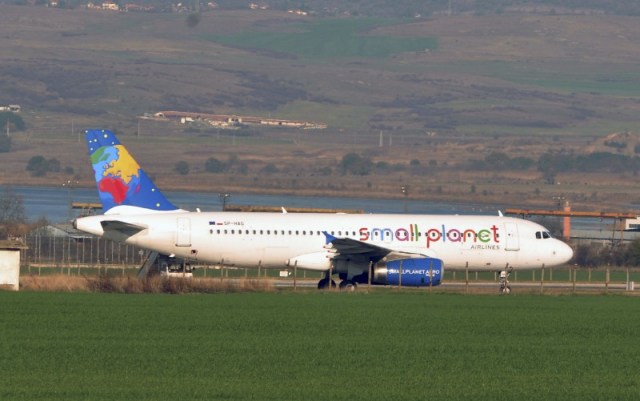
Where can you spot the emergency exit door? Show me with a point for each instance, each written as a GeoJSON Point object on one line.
{"type": "Point", "coordinates": [512, 241]}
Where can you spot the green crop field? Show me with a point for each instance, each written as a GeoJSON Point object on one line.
{"type": "Point", "coordinates": [329, 39]}
{"type": "Point", "coordinates": [324, 346]}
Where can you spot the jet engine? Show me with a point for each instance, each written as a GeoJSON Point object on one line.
{"type": "Point", "coordinates": [416, 272]}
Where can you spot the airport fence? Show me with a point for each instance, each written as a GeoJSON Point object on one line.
{"type": "Point", "coordinates": [53, 254]}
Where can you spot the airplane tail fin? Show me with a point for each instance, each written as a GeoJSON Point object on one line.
{"type": "Point", "coordinates": [120, 180]}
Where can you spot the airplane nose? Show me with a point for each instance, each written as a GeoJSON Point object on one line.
{"type": "Point", "coordinates": [564, 252]}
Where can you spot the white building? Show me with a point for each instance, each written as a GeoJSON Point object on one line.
{"type": "Point", "coordinates": [10, 264]}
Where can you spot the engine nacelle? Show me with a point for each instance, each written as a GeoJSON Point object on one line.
{"type": "Point", "coordinates": [416, 272]}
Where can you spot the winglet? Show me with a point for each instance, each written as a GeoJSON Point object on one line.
{"type": "Point", "coordinates": [119, 178]}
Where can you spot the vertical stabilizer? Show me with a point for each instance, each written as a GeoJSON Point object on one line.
{"type": "Point", "coordinates": [120, 180]}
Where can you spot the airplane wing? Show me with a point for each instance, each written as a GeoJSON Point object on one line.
{"type": "Point", "coordinates": [352, 247]}
{"type": "Point", "coordinates": [121, 227]}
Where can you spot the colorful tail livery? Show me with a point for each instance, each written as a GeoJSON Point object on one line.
{"type": "Point", "coordinates": [120, 180]}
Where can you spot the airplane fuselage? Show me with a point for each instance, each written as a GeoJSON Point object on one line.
{"type": "Point", "coordinates": [274, 240]}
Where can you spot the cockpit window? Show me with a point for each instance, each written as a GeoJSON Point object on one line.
{"type": "Point", "coordinates": [543, 234]}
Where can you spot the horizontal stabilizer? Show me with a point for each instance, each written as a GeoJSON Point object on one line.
{"type": "Point", "coordinates": [121, 227]}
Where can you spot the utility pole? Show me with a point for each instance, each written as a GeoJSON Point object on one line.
{"type": "Point", "coordinates": [405, 192]}
{"type": "Point", "coordinates": [224, 198]}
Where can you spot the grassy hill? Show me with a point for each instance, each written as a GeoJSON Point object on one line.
{"type": "Point", "coordinates": [443, 91]}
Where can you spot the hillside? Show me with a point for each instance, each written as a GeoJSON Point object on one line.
{"type": "Point", "coordinates": [441, 92]}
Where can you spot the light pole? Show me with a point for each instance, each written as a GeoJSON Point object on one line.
{"type": "Point", "coordinates": [69, 185]}
{"type": "Point", "coordinates": [405, 192]}
{"type": "Point", "coordinates": [224, 198]}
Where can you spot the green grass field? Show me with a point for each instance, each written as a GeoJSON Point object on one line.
{"type": "Point", "coordinates": [329, 39]}
{"type": "Point", "coordinates": [286, 346]}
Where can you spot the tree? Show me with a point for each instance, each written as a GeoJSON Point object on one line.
{"type": "Point", "coordinates": [11, 213]}
{"type": "Point", "coordinates": [270, 169]}
{"type": "Point", "coordinates": [5, 143]}
{"type": "Point", "coordinates": [16, 123]}
{"type": "Point", "coordinates": [213, 165]}
{"type": "Point", "coordinates": [182, 167]}
{"type": "Point", "coordinates": [632, 256]}
{"type": "Point", "coordinates": [53, 165]}
{"type": "Point", "coordinates": [38, 166]}
{"type": "Point", "coordinates": [353, 163]}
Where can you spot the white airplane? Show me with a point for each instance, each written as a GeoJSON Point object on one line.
{"type": "Point", "coordinates": [411, 250]}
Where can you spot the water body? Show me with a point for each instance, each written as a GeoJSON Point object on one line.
{"type": "Point", "coordinates": [53, 202]}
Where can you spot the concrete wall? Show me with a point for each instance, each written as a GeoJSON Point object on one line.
{"type": "Point", "coordinates": [10, 269]}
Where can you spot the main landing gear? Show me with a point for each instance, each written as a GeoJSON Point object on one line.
{"type": "Point", "coordinates": [348, 285]}
{"type": "Point", "coordinates": [345, 285]}
{"type": "Point", "coordinates": [505, 288]}
{"type": "Point", "coordinates": [325, 282]}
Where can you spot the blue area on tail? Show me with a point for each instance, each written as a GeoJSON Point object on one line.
{"type": "Point", "coordinates": [119, 178]}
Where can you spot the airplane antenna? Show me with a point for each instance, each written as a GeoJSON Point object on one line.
{"type": "Point", "coordinates": [284, 211]}
{"type": "Point", "coordinates": [500, 213]}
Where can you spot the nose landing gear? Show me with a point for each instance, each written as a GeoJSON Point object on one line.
{"type": "Point", "coordinates": [505, 288]}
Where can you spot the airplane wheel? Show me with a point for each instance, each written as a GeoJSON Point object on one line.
{"type": "Point", "coordinates": [324, 283]}
{"type": "Point", "coordinates": [348, 285]}
{"type": "Point", "coordinates": [505, 290]}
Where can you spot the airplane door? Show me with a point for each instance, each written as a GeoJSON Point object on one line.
{"type": "Point", "coordinates": [512, 242]}
{"type": "Point", "coordinates": [183, 232]}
